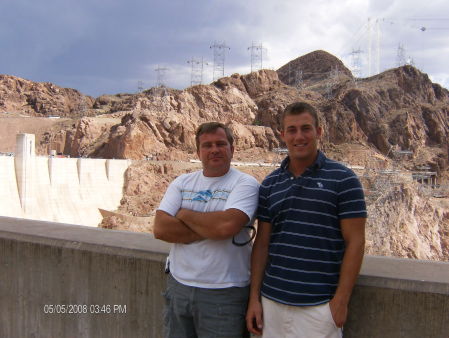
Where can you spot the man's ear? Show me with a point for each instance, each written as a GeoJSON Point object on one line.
{"type": "Point", "coordinates": [319, 131]}
{"type": "Point", "coordinates": [282, 135]}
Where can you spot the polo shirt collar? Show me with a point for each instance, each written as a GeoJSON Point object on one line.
{"type": "Point", "coordinates": [318, 164]}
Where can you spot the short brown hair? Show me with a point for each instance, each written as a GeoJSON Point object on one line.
{"type": "Point", "coordinates": [298, 108]}
{"type": "Point", "coordinates": [210, 127]}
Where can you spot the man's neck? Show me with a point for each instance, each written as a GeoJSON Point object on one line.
{"type": "Point", "coordinates": [218, 173]}
{"type": "Point", "coordinates": [298, 167]}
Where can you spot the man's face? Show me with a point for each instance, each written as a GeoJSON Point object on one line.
{"type": "Point", "coordinates": [215, 152]}
{"type": "Point", "coordinates": [301, 137]}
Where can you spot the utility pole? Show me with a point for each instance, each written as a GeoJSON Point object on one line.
{"type": "Point", "coordinates": [295, 76]}
{"type": "Point", "coordinates": [400, 57]}
{"type": "Point", "coordinates": [378, 46]}
{"type": "Point", "coordinates": [376, 28]}
{"type": "Point", "coordinates": [356, 63]}
{"type": "Point", "coordinates": [197, 67]}
{"type": "Point", "coordinates": [219, 59]}
{"type": "Point", "coordinates": [139, 86]}
{"type": "Point", "coordinates": [160, 76]}
{"type": "Point", "coordinates": [334, 75]}
{"type": "Point", "coordinates": [369, 46]}
{"type": "Point", "coordinates": [256, 56]}
{"type": "Point", "coordinates": [298, 79]}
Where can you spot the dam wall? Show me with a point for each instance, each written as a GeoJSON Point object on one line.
{"type": "Point", "coordinates": [62, 280]}
{"type": "Point", "coordinates": [63, 190]}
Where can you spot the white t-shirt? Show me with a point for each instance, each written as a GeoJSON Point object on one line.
{"type": "Point", "coordinates": [212, 263]}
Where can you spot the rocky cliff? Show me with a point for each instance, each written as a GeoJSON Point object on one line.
{"type": "Point", "coordinates": [367, 122]}
{"type": "Point", "coordinates": [41, 99]}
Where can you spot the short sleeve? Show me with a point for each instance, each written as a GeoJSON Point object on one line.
{"type": "Point", "coordinates": [351, 199]}
{"type": "Point", "coordinates": [262, 209]}
{"type": "Point", "coordinates": [171, 202]}
{"type": "Point", "coordinates": [244, 196]}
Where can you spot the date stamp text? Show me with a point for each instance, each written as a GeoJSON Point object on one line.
{"type": "Point", "coordinates": [84, 309]}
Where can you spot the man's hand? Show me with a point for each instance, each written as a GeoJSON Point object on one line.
{"type": "Point", "coordinates": [353, 231]}
{"type": "Point", "coordinates": [254, 317]}
{"type": "Point", "coordinates": [339, 312]}
{"type": "Point", "coordinates": [259, 256]}
{"type": "Point", "coordinates": [216, 225]}
{"type": "Point", "coordinates": [170, 229]}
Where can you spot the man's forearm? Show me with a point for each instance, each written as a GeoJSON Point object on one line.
{"type": "Point", "coordinates": [259, 257]}
{"type": "Point", "coordinates": [215, 225]}
{"type": "Point", "coordinates": [258, 263]}
{"type": "Point", "coordinates": [350, 268]}
{"type": "Point", "coordinates": [353, 231]}
{"type": "Point", "coordinates": [170, 229]}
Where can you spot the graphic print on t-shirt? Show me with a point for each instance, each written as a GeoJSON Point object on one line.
{"type": "Point", "coordinates": [202, 196]}
{"type": "Point", "coordinates": [205, 195]}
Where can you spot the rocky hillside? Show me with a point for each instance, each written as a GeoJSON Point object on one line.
{"type": "Point", "coordinates": [399, 109]}
{"type": "Point", "coordinates": [368, 122]}
{"type": "Point", "coordinates": [41, 99]}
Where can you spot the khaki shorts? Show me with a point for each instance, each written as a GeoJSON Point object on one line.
{"type": "Point", "coordinates": [280, 320]}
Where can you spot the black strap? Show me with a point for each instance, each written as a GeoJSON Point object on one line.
{"type": "Point", "coordinates": [253, 234]}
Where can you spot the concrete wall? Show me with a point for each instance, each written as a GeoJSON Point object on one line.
{"type": "Point", "coordinates": [66, 190]}
{"type": "Point", "coordinates": [49, 270]}
{"type": "Point", "coordinates": [397, 298]}
{"type": "Point", "coordinates": [44, 264]}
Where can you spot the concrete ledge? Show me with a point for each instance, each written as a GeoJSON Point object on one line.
{"type": "Point", "coordinates": [123, 243]}
{"type": "Point", "coordinates": [397, 297]}
{"type": "Point", "coordinates": [50, 271]}
{"type": "Point", "coordinates": [62, 280]}
{"type": "Point", "coordinates": [405, 274]}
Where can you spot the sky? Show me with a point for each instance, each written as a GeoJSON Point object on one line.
{"type": "Point", "coordinates": [116, 46]}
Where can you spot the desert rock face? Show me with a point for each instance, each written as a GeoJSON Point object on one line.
{"type": "Point", "coordinates": [312, 68]}
{"type": "Point", "coordinates": [401, 108]}
{"type": "Point", "coordinates": [158, 126]}
{"type": "Point", "coordinates": [419, 227]}
{"type": "Point", "coordinates": [31, 98]}
{"type": "Point", "coordinates": [367, 122]}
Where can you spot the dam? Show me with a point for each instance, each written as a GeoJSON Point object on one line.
{"type": "Point", "coordinates": [57, 189]}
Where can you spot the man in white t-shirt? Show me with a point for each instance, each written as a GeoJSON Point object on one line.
{"type": "Point", "coordinates": [207, 215]}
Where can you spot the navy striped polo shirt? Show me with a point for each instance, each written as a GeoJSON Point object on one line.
{"type": "Point", "coordinates": [306, 245]}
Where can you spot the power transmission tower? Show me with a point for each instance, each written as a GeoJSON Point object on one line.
{"type": "Point", "coordinates": [295, 76]}
{"type": "Point", "coordinates": [298, 79]}
{"type": "Point", "coordinates": [400, 57]}
{"type": "Point", "coordinates": [373, 27]}
{"type": "Point", "coordinates": [197, 66]}
{"type": "Point", "coordinates": [356, 63]}
{"type": "Point", "coordinates": [378, 46]}
{"type": "Point", "coordinates": [160, 76]}
{"type": "Point", "coordinates": [139, 86]}
{"type": "Point", "coordinates": [332, 81]}
{"type": "Point", "coordinates": [257, 51]}
{"type": "Point", "coordinates": [219, 59]}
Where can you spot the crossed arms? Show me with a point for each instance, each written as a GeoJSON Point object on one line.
{"type": "Point", "coordinates": [188, 226]}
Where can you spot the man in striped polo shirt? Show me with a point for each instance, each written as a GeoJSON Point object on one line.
{"type": "Point", "coordinates": [311, 237]}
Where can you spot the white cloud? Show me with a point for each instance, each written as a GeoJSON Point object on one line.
{"type": "Point", "coordinates": [106, 46]}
